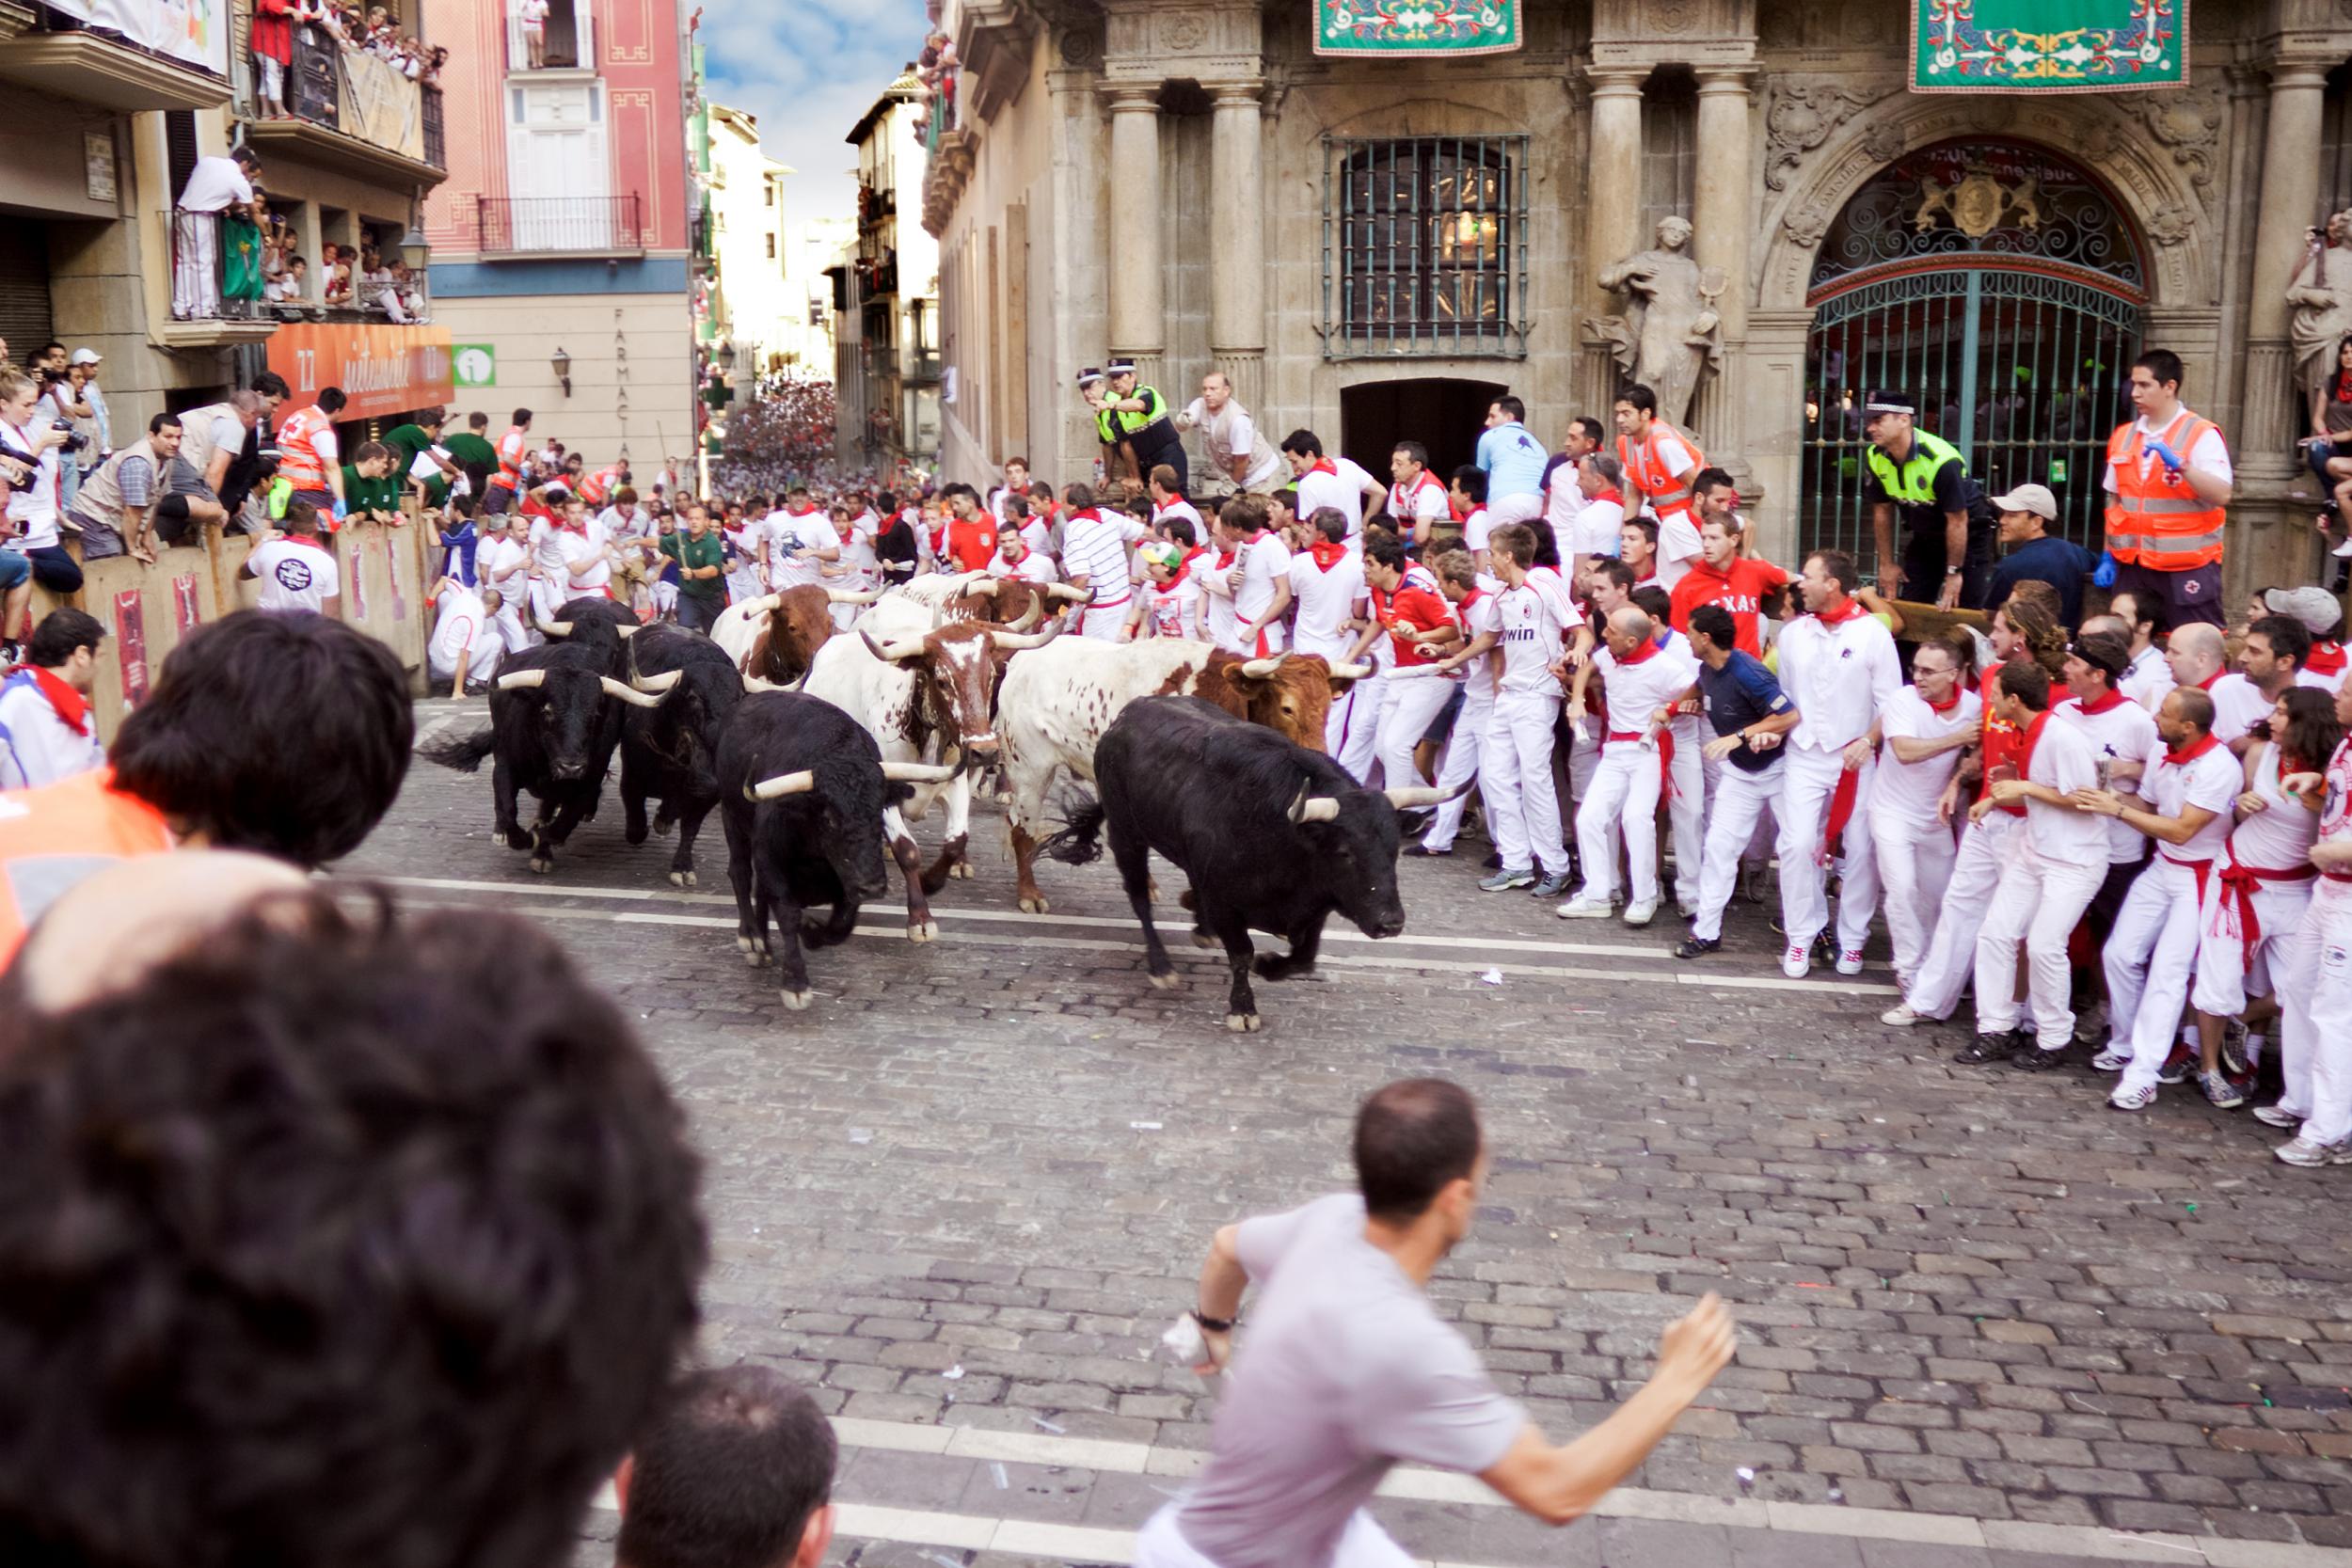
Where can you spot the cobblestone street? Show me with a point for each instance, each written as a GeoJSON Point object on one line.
{"type": "Point", "coordinates": [1985, 1321]}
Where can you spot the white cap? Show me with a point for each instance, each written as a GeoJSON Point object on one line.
{"type": "Point", "coordinates": [2035, 498]}
{"type": "Point", "coordinates": [85, 357]}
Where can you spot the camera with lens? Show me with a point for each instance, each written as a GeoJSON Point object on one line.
{"type": "Point", "coordinates": [75, 440]}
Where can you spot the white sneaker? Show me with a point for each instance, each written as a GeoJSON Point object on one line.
{"type": "Point", "coordinates": [2342, 549]}
{"type": "Point", "coordinates": [1902, 1015]}
{"type": "Point", "coordinates": [2133, 1100]}
{"type": "Point", "coordinates": [1849, 960]}
{"type": "Point", "coordinates": [2302, 1151]}
{"type": "Point", "coordinates": [1585, 906]}
{"type": "Point", "coordinates": [2277, 1116]}
{"type": "Point", "coordinates": [2110, 1060]}
{"type": "Point", "coordinates": [1797, 962]}
{"type": "Point", "coordinates": [1642, 913]}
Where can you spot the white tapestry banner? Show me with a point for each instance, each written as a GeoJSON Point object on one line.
{"type": "Point", "coordinates": [194, 32]}
{"type": "Point", "coordinates": [381, 105]}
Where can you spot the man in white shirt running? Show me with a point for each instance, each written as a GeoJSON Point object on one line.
{"type": "Point", "coordinates": [1094, 557]}
{"type": "Point", "coordinates": [48, 730]}
{"type": "Point", "coordinates": [1642, 683]}
{"type": "Point", "coordinates": [1335, 482]}
{"type": "Point", "coordinates": [1515, 774]}
{"type": "Point", "coordinates": [1327, 581]}
{"type": "Point", "coordinates": [1348, 1370]}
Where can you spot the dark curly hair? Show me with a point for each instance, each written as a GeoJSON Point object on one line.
{"type": "Point", "coordinates": [339, 1240]}
{"type": "Point", "coordinates": [286, 734]}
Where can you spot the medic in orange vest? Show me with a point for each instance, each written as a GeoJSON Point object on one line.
{"type": "Point", "coordinates": [2167, 482]}
{"type": "Point", "coordinates": [308, 458]}
{"type": "Point", "coordinates": [1660, 461]}
{"type": "Point", "coordinates": [499, 494]}
{"type": "Point", "coordinates": [596, 488]}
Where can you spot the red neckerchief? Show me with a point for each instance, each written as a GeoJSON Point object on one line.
{"type": "Point", "coordinates": [2326, 659]}
{"type": "Point", "coordinates": [1226, 557]}
{"type": "Point", "coordinates": [1326, 555]}
{"type": "Point", "coordinates": [2107, 703]}
{"type": "Point", "coordinates": [1321, 466]}
{"type": "Point", "coordinates": [2181, 759]}
{"type": "Point", "coordinates": [2206, 685]}
{"type": "Point", "coordinates": [71, 706]}
{"type": "Point", "coordinates": [1184, 570]}
{"type": "Point", "coordinates": [1476, 595]}
{"type": "Point", "coordinates": [1946, 706]}
{"type": "Point", "coordinates": [1850, 611]}
{"type": "Point", "coordinates": [1193, 554]}
{"type": "Point", "coordinates": [2343, 385]}
{"type": "Point", "coordinates": [1648, 650]}
{"type": "Point", "coordinates": [1612, 494]}
{"type": "Point", "coordinates": [312, 540]}
{"type": "Point", "coordinates": [2033, 737]}
{"type": "Point", "coordinates": [810, 513]}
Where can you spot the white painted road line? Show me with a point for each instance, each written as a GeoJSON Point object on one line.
{"type": "Point", "coordinates": [896, 933]}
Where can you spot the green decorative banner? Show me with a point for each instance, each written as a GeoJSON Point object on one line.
{"type": "Point", "coordinates": [1397, 29]}
{"type": "Point", "coordinates": [2048, 45]}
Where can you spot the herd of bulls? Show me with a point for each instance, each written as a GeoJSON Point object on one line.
{"type": "Point", "coordinates": [818, 743]}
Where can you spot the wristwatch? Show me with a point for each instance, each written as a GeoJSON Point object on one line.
{"type": "Point", "coordinates": [1214, 1325]}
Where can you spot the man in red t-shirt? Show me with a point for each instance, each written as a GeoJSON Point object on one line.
{"type": "Point", "coordinates": [971, 537]}
{"type": "Point", "coordinates": [1744, 585]}
{"type": "Point", "coordinates": [1407, 602]}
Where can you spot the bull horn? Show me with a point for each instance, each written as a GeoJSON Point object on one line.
{"type": "Point", "coordinates": [1260, 669]}
{"type": "Point", "coordinates": [627, 694]}
{"type": "Point", "coordinates": [1028, 617]}
{"type": "Point", "coordinates": [551, 628]}
{"type": "Point", "coordinates": [782, 785]}
{"type": "Point", "coordinates": [1014, 643]}
{"type": "Point", "coordinates": [1415, 796]}
{"type": "Point", "coordinates": [767, 604]}
{"type": "Point", "coordinates": [851, 596]}
{"type": "Point", "coordinates": [984, 588]}
{"type": "Point", "coordinates": [1351, 671]}
{"type": "Point", "coordinates": [522, 678]}
{"type": "Point", "coordinates": [1314, 808]}
{"type": "Point", "coordinates": [755, 683]}
{"type": "Point", "coordinates": [1067, 591]}
{"type": "Point", "coordinates": [917, 773]}
{"type": "Point", "coordinates": [893, 653]}
{"type": "Point", "coordinates": [657, 684]}
{"type": "Point", "coordinates": [626, 632]}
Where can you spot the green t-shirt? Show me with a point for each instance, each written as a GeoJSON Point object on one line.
{"type": "Point", "coordinates": [473, 455]}
{"type": "Point", "coordinates": [370, 495]}
{"type": "Point", "coordinates": [691, 553]}
{"type": "Point", "coordinates": [406, 441]}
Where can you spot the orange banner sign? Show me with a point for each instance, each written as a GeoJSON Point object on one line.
{"type": "Point", "coordinates": [382, 368]}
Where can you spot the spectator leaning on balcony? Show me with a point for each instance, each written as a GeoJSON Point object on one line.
{"type": "Point", "coordinates": [126, 500]}
{"type": "Point", "coordinates": [273, 51]}
{"type": "Point", "coordinates": [217, 186]}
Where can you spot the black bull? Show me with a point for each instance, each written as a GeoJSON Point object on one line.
{"type": "Point", "coordinates": [1272, 836]}
{"type": "Point", "coordinates": [670, 751]}
{"type": "Point", "coordinates": [801, 788]}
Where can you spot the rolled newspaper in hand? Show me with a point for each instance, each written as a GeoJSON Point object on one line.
{"type": "Point", "coordinates": [1182, 1345]}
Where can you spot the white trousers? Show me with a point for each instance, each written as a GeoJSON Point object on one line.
{"type": "Point", "coordinates": [1514, 508]}
{"type": "Point", "coordinates": [1739, 801]}
{"type": "Point", "coordinates": [1462, 753]}
{"type": "Point", "coordinates": [1686, 810]}
{"type": "Point", "coordinates": [1522, 808]}
{"type": "Point", "coordinates": [2151, 958]}
{"type": "Point", "coordinates": [196, 266]}
{"type": "Point", "coordinates": [1409, 706]}
{"type": "Point", "coordinates": [1808, 779]}
{"type": "Point", "coordinates": [1952, 958]}
{"type": "Point", "coordinates": [2041, 901]}
{"type": "Point", "coordinates": [508, 624]}
{"type": "Point", "coordinates": [1103, 623]}
{"type": "Point", "coordinates": [1623, 795]}
{"type": "Point", "coordinates": [2226, 974]}
{"type": "Point", "coordinates": [1357, 746]}
{"type": "Point", "coordinates": [2314, 972]}
{"type": "Point", "coordinates": [1362, 1545]}
{"type": "Point", "coordinates": [1915, 858]}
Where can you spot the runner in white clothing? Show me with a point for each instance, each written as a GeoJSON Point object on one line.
{"type": "Point", "coordinates": [1250, 574]}
{"type": "Point", "coordinates": [2184, 805]}
{"type": "Point", "coordinates": [1417, 501]}
{"type": "Point", "coordinates": [1419, 627]}
{"type": "Point", "coordinates": [1327, 581]}
{"type": "Point", "coordinates": [1514, 778]}
{"type": "Point", "coordinates": [2314, 981]}
{"type": "Point", "coordinates": [1923, 730]}
{"type": "Point", "coordinates": [1643, 683]}
{"type": "Point", "coordinates": [1094, 557]}
{"type": "Point", "coordinates": [1332, 482]}
{"type": "Point", "coordinates": [1473, 598]}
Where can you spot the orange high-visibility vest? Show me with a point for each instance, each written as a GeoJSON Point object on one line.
{"type": "Point", "coordinates": [299, 461]}
{"type": "Point", "coordinates": [510, 474]}
{"type": "Point", "coordinates": [55, 836]}
{"type": "Point", "coordinates": [2154, 519]}
{"type": "Point", "coordinates": [1647, 467]}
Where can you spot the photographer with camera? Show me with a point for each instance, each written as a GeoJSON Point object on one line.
{"type": "Point", "coordinates": [124, 502]}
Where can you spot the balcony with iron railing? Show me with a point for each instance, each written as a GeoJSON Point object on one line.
{"type": "Point", "coordinates": [350, 112]}
{"type": "Point", "coordinates": [549, 226]}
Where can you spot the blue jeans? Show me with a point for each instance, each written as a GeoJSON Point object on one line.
{"type": "Point", "coordinates": [14, 569]}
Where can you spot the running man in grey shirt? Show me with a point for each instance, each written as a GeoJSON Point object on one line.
{"type": "Point", "coordinates": [1350, 1371]}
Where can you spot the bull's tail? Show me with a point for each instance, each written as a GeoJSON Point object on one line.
{"type": "Point", "coordinates": [465, 754]}
{"type": "Point", "coordinates": [1080, 839]}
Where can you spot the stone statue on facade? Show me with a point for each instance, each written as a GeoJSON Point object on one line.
{"type": "Point", "coordinates": [2321, 295]}
{"type": "Point", "coordinates": [1670, 332]}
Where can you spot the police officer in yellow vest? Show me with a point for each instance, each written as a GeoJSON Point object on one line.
{"type": "Point", "coordinates": [1948, 533]}
{"type": "Point", "coordinates": [1134, 419]}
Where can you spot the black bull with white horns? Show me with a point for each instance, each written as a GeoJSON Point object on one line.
{"type": "Point", "coordinates": [801, 791]}
{"type": "Point", "coordinates": [1272, 836]}
{"type": "Point", "coordinates": [555, 719]}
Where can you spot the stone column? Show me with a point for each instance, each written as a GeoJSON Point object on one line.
{"type": "Point", "coordinates": [1237, 281]}
{"type": "Point", "coordinates": [1613, 213]}
{"type": "Point", "coordinates": [1719, 211]}
{"type": "Point", "coordinates": [2290, 205]}
{"type": "Point", "coordinates": [1137, 321]}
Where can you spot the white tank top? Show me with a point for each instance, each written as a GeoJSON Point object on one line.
{"type": "Point", "coordinates": [2282, 837]}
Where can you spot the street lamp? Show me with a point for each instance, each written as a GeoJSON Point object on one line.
{"type": "Point", "coordinates": [562, 365]}
{"type": "Point", "coordinates": [726, 358]}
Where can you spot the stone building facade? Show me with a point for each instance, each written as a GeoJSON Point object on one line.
{"type": "Point", "coordinates": [1372, 248]}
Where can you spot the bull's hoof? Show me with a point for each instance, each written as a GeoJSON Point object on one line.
{"type": "Point", "coordinates": [663, 823]}
{"type": "Point", "coordinates": [1203, 939]}
{"type": "Point", "coordinates": [1163, 982]}
{"type": "Point", "coordinates": [796, 1000]}
{"type": "Point", "coordinates": [923, 930]}
{"type": "Point", "coordinates": [514, 838]}
{"type": "Point", "coordinates": [543, 864]}
{"type": "Point", "coordinates": [682, 879]}
{"type": "Point", "coordinates": [1242, 1023]}
{"type": "Point", "coordinates": [742, 943]}
{"type": "Point", "coordinates": [1033, 903]}
{"type": "Point", "coordinates": [633, 834]}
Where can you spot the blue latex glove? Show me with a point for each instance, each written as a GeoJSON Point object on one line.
{"type": "Point", "coordinates": [2171, 459]}
{"type": "Point", "coordinates": [341, 511]}
{"type": "Point", "coordinates": [2104, 576]}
